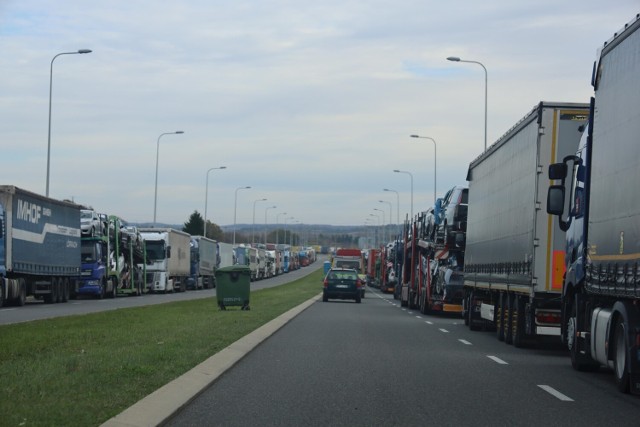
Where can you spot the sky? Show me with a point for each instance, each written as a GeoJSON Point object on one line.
{"type": "Point", "coordinates": [311, 104]}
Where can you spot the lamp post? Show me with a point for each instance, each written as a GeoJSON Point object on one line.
{"type": "Point", "coordinates": [253, 226]}
{"type": "Point", "coordinates": [206, 194]}
{"type": "Point", "coordinates": [435, 165]}
{"type": "Point", "coordinates": [410, 175]}
{"type": "Point", "coordinates": [278, 231]}
{"type": "Point", "coordinates": [265, 223]}
{"type": "Point", "coordinates": [375, 236]}
{"type": "Point", "coordinates": [390, 212]}
{"type": "Point", "coordinates": [384, 234]}
{"type": "Point", "coordinates": [285, 229]}
{"type": "Point", "coordinates": [235, 211]}
{"type": "Point", "coordinates": [81, 51]}
{"type": "Point", "coordinates": [486, 78]}
{"type": "Point", "coordinates": [155, 197]}
{"type": "Point", "coordinates": [397, 207]}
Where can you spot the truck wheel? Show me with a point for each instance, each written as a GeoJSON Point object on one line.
{"type": "Point", "coordinates": [579, 359]}
{"type": "Point", "coordinates": [499, 317]}
{"type": "Point", "coordinates": [64, 290]}
{"type": "Point", "coordinates": [508, 303]}
{"type": "Point", "coordinates": [114, 288]}
{"type": "Point", "coordinates": [620, 358]}
{"type": "Point", "coordinates": [103, 288]}
{"type": "Point", "coordinates": [518, 322]}
{"type": "Point", "coordinates": [22, 294]}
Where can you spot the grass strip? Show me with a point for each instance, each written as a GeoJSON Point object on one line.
{"type": "Point", "coordinates": [83, 370]}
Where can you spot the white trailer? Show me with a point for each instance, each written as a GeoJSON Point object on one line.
{"type": "Point", "coordinates": [169, 255]}
{"type": "Point", "coordinates": [513, 257]}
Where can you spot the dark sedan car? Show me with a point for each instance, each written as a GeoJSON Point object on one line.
{"type": "Point", "coordinates": [342, 283]}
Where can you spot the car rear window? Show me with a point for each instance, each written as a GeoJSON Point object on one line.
{"type": "Point", "coordinates": [342, 275]}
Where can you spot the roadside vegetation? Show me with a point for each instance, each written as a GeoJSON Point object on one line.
{"type": "Point", "coordinates": [83, 370]}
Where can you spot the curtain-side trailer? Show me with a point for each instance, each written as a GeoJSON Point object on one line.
{"type": "Point", "coordinates": [39, 247]}
{"type": "Point", "coordinates": [514, 258]}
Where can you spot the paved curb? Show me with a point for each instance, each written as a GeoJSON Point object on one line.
{"type": "Point", "coordinates": [162, 404]}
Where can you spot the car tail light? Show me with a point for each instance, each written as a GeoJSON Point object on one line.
{"type": "Point", "coordinates": [325, 283]}
{"type": "Point", "coordinates": [358, 283]}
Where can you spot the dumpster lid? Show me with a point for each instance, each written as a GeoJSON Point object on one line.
{"type": "Point", "coordinates": [232, 268]}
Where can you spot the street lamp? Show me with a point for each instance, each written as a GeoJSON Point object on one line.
{"type": "Point", "coordinates": [411, 175]}
{"type": "Point", "coordinates": [235, 210]}
{"type": "Point", "coordinates": [155, 197]}
{"type": "Point", "coordinates": [278, 231]}
{"type": "Point", "coordinates": [435, 165]}
{"type": "Point", "coordinates": [397, 207]}
{"type": "Point", "coordinates": [253, 226]}
{"type": "Point", "coordinates": [384, 234]}
{"type": "Point", "coordinates": [81, 51]}
{"type": "Point", "coordinates": [456, 59]}
{"type": "Point", "coordinates": [375, 236]}
{"type": "Point", "coordinates": [285, 230]}
{"type": "Point", "coordinates": [265, 223]}
{"type": "Point", "coordinates": [206, 194]}
{"type": "Point", "coordinates": [390, 211]}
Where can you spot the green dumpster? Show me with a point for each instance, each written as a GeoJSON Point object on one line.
{"type": "Point", "coordinates": [233, 286]}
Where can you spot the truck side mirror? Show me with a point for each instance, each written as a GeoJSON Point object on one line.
{"type": "Point", "coordinates": [558, 171]}
{"type": "Point", "coordinates": [555, 200]}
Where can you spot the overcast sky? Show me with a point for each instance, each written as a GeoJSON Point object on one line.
{"type": "Point", "coordinates": [309, 103]}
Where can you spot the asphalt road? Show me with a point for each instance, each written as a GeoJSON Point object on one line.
{"type": "Point", "coordinates": [377, 364]}
{"type": "Point", "coordinates": [35, 310]}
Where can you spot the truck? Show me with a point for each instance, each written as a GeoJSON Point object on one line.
{"type": "Point", "coordinates": [226, 255]}
{"type": "Point", "coordinates": [39, 247]}
{"type": "Point", "coordinates": [512, 267]}
{"type": "Point", "coordinates": [168, 259]}
{"type": "Point", "coordinates": [599, 214]}
{"type": "Point", "coordinates": [204, 255]}
{"type": "Point", "coordinates": [113, 263]}
{"type": "Point", "coordinates": [434, 246]}
{"type": "Point", "coordinates": [349, 258]}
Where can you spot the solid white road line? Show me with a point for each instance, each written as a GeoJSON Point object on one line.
{"type": "Point", "coordinates": [555, 393]}
{"type": "Point", "coordinates": [497, 360]}
{"type": "Point", "coordinates": [465, 342]}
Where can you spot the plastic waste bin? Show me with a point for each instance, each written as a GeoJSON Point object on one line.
{"type": "Point", "coordinates": [233, 286]}
{"type": "Point", "coordinates": [326, 266]}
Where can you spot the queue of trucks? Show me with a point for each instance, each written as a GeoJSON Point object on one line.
{"type": "Point", "coordinates": [545, 239]}
{"type": "Point", "coordinates": [57, 250]}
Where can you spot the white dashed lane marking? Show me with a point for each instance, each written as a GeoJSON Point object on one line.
{"type": "Point", "coordinates": [497, 360]}
{"type": "Point", "coordinates": [555, 393]}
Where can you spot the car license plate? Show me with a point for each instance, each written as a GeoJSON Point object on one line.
{"type": "Point", "coordinates": [342, 286]}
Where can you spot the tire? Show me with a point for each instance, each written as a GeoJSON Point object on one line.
{"type": "Point", "coordinates": [621, 356]}
{"type": "Point", "coordinates": [64, 290]}
{"type": "Point", "coordinates": [518, 322]}
{"type": "Point", "coordinates": [114, 288]}
{"type": "Point", "coordinates": [466, 303]}
{"type": "Point", "coordinates": [473, 326]}
{"type": "Point", "coordinates": [22, 294]}
{"type": "Point", "coordinates": [358, 299]}
{"type": "Point", "coordinates": [325, 298]}
{"type": "Point", "coordinates": [499, 317]}
{"type": "Point", "coordinates": [579, 360]}
{"type": "Point", "coordinates": [103, 288]}
{"type": "Point", "coordinates": [508, 318]}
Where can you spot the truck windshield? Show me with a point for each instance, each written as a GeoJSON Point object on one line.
{"type": "Point", "coordinates": [155, 249]}
{"type": "Point", "coordinates": [89, 252]}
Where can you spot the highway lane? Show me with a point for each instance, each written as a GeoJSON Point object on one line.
{"type": "Point", "coordinates": [375, 363]}
{"type": "Point", "coordinates": [36, 310]}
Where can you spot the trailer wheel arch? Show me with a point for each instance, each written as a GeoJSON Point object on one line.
{"type": "Point", "coordinates": [624, 315]}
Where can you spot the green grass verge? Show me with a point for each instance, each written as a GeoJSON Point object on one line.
{"type": "Point", "coordinates": [83, 370]}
